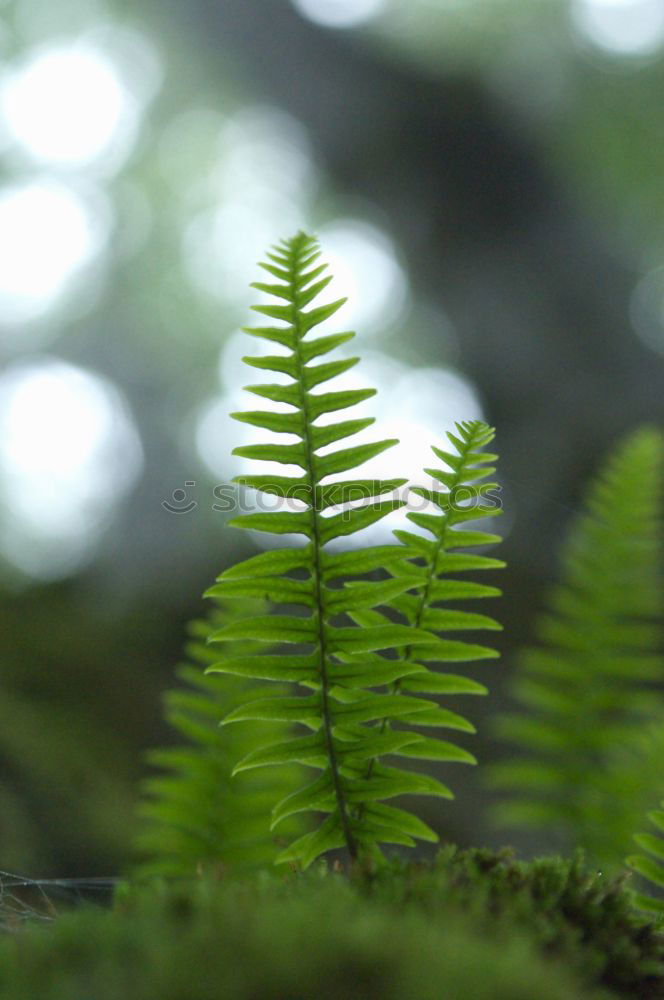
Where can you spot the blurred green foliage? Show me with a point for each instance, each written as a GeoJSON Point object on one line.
{"type": "Point", "coordinates": [649, 865]}
{"type": "Point", "coordinates": [472, 924]}
{"type": "Point", "coordinates": [588, 718]}
{"type": "Point", "coordinates": [196, 816]}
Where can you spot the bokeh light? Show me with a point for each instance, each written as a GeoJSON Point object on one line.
{"type": "Point", "coordinates": [47, 233]}
{"type": "Point", "coordinates": [367, 271]}
{"type": "Point", "coordinates": [65, 105]}
{"type": "Point", "coordinates": [259, 188]}
{"type": "Point", "coordinates": [417, 406]}
{"type": "Point", "coordinates": [217, 434]}
{"type": "Point", "coordinates": [339, 13]}
{"type": "Point", "coordinates": [220, 253]}
{"type": "Point", "coordinates": [68, 453]}
{"type": "Point", "coordinates": [264, 147]}
{"type": "Point", "coordinates": [621, 27]}
{"type": "Point", "coordinates": [220, 248]}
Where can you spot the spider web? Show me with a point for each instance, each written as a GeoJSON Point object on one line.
{"type": "Point", "coordinates": [23, 898]}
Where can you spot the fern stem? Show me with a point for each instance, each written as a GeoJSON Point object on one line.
{"type": "Point", "coordinates": [351, 843]}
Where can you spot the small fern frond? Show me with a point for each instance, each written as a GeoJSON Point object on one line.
{"type": "Point", "coordinates": [194, 814]}
{"type": "Point", "coordinates": [651, 865]}
{"type": "Point", "coordinates": [337, 663]}
{"type": "Point", "coordinates": [586, 690]}
{"type": "Point", "coordinates": [465, 496]}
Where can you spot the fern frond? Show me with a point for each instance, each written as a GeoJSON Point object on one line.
{"type": "Point", "coordinates": [586, 689]}
{"type": "Point", "coordinates": [435, 558]}
{"type": "Point", "coordinates": [651, 865]}
{"type": "Point", "coordinates": [194, 814]}
{"type": "Point", "coordinates": [337, 662]}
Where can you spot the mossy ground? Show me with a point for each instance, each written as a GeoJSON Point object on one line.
{"type": "Point", "coordinates": [473, 924]}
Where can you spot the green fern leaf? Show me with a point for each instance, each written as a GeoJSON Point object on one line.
{"type": "Point", "coordinates": [421, 609]}
{"type": "Point", "coordinates": [194, 814]}
{"type": "Point", "coordinates": [340, 663]}
{"type": "Point", "coordinates": [588, 772]}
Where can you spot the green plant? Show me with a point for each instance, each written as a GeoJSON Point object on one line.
{"type": "Point", "coordinates": [346, 643]}
{"type": "Point", "coordinates": [651, 865]}
{"type": "Point", "coordinates": [194, 816]}
{"type": "Point", "coordinates": [585, 691]}
{"type": "Point", "coordinates": [438, 556]}
{"type": "Point", "coordinates": [339, 663]}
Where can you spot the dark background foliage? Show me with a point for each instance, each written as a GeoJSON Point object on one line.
{"type": "Point", "coordinates": [494, 173]}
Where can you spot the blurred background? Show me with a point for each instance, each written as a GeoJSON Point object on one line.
{"type": "Point", "coordinates": [486, 180]}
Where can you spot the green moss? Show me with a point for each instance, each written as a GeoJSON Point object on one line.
{"type": "Point", "coordinates": [578, 915]}
{"type": "Point", "coordinates": [472, 925]}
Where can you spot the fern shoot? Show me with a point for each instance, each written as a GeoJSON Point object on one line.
{"type": "Point", "coordinates": [586, 690]}
{"type": "Point", "coordinates": [437, 557]}
{"type": "Point", "coordinates": [339, 663]}
{"type": "Point", "coordinates": [195, 816]}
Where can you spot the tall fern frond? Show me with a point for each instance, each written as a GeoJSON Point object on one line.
{"type": "Point", "coordinates": [651, 865]}
{"type": "Point", "coordinates": [586, 690]}
{"type": "Point", "coordinates": [337, 663]}
{"type": "Point", "coordinates": [465, 496]}
{"type": "Point", "coordinates": [194, 814]}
